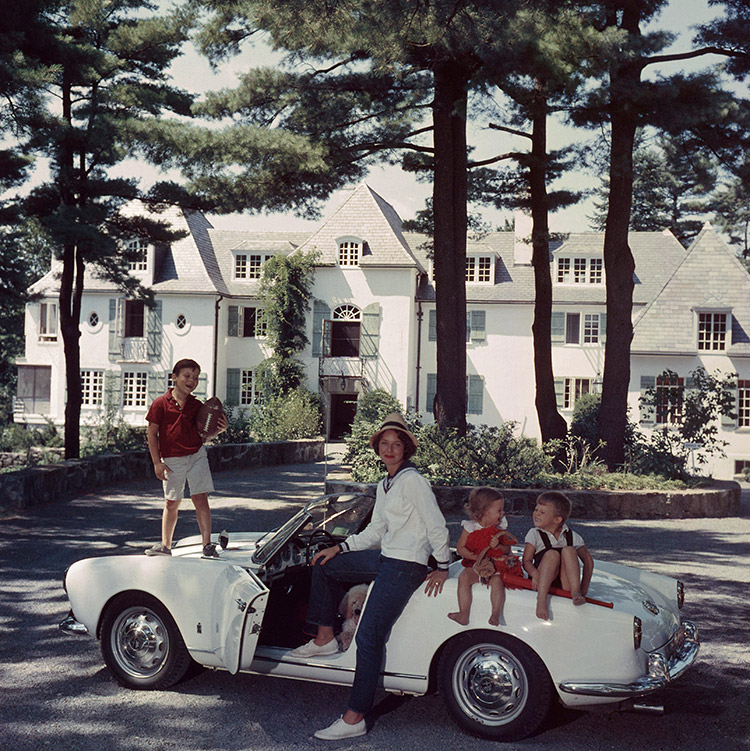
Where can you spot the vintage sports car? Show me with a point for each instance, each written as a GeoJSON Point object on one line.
{"type": "Point", "coordinates": [157, 616]}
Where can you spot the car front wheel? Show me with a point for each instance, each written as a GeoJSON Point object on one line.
{"type": "Point", "coordinates": [495, 686]}
{"type": "Point", "coordinates": [141, 644]}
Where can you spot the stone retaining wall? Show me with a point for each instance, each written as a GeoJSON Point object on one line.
{"type": "Point", "coordinates": [30, 458]}
{"type": "Point", "coordinates": [67, 479]}
{"type": "Point", "coordinates": [721, 499]}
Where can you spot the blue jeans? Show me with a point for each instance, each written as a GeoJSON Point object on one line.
{"type": "Point", "coordinates": [395, 583]}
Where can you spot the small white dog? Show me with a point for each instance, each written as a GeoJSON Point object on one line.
{"type": "Point", "coordinates": [350, 608]}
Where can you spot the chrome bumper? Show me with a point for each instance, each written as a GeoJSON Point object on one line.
{"type": "Point", "coordinates": [71, 626]}
{"type": "Point", "coordinates": [662, 668]}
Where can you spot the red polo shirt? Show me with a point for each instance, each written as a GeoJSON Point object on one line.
{"type": "Point", "coordinates": [178, 435]}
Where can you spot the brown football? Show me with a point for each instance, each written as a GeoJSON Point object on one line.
{"type": "Point", "coordinates": [207, 418]}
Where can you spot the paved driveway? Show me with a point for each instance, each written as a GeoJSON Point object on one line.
{"type": "Point", "coordinates": [56, 694]}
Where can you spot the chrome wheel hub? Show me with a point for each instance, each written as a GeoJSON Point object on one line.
{"type": "Point", "coordinates": [140, 642]}
{"type": "Point", "coordinates": [490, 684]}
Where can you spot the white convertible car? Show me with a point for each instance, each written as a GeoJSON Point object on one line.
{"type": "Point", "coordinates": [157, 616]}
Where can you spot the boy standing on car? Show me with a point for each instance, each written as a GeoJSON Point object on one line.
{"type": "Point", "coordinates": [179, 455]}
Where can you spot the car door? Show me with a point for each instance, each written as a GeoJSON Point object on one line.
{"type": "Point", "coordinates": [239, 603]}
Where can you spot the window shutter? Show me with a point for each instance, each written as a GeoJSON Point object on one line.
{"type": "Point", "coordinates": [233, 321]}
{"type": "Point", "coordinates": [155, 385]}
{"type": "Point", "coordinates": [115, 329]}
{"type": "Point", "coordinates": [113, 388]}
{"type": "Point", "coordinates": [647, 411]}
{"type": "Point", "coordinates": [432, 325]}
{"type": "Point", "coordinates": [557, 329]}
{"type": "Point", "coordinates": [573, 328]}
{"type": "Point", "coordinates": [478, 320]}
{"type": "Point", "coordinates": [727, 421]}
{"type": "Point", "coordinates": [370, 331]}
{"type": "Point", "coordinates": [560, 392]}
{"type": "Point", "coordinates": [201, 390]}
{"type": "Point", "coordinates": [321, 312]}
{"type": "Point", "coordinates": [431, 391]}
{"type": "Point", "coordinates": [154, 331]}
{"type": "Point", "coordinates": [475, 394]}
{"type": "Point", "coordinates": [233, 386]}
{"type": "Point", "coordinates": [602, 328]}
{"type": "Point", "coordinates": [468, 326]}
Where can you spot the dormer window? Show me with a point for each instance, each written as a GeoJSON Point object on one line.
{"type": "Point", "coordinates": [249, 266]}
{"type": "Point", "coordinates": [479, 269]}
{"type": "Point", "coordinates": [712, 331]}
{"type": "Point", "coordinates": [137, 251]}
{"type": "Point", "coordinates": [580, 270]}
{"type": "Point", "coordinates": [350, 251]}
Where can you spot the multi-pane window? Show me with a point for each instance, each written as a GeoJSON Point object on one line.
{"type": "Point", "coordinates": [712, 332]}
{"type": "Point", "coordinates": [134, 388]}
{"type": "Point", "coordinates": [479, 269]}
{"type": "Point", "coordinates": [349, 253]}
{"type": "Point", "coordinates": [249, 266]}
{"type": "Point", "coordinates": [137, 255]}
{"type": "Point", "coordinates": [578, 328]}
{"type": "Point", "coordinates": [563, 270]}
{"type": "Point", "coordinates": [48, 322]}
{"type": "Point", "coordinates": [573, 388]}
{"type": "Point", "coordinates": [596, 266]}
{"type": "Point", "coordinates": [247, 387]}
{"type": "Point", "coordinates": [591, 328]}
{"type": "Point", "coordinates": [743, 404]}
{"type": "Point", "coordinates": [92, 385]}
{"type": "Point", "coordinates": [581, 270]}
{"type": "Point", "coordinates": [669, 392]}
{"type": "Point", "coordinates": [254, 322]}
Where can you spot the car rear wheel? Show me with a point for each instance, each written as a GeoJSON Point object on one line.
{"type": "Point", "coordinates": [495, 686]}
{"type": "Point", "coordinates": [141, 644]}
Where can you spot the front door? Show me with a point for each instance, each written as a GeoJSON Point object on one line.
{"type": "Point", "coordinates": [343, 409]}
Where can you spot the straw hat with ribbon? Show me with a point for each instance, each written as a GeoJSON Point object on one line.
{"type": "Point", "coordinates": [393, 421]}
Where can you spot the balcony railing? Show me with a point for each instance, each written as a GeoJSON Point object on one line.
{"type": "Point", "coordinates": [134, 350]}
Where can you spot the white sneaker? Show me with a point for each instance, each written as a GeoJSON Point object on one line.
{"type": "Point", "coordinates": [311, 649]}
{"type": "Point", "coordinates": [340, 730]}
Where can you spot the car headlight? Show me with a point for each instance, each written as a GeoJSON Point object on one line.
{"type": "Point", "coordinates": [637, 632]}
{"type": "Point", "coordinates": [680, 594]}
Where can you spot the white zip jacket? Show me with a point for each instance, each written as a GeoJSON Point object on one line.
{"type": "Point", "coordinates": [406, 523]}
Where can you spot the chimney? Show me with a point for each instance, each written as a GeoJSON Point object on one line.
{"type": "Point", "coordinates": [522, 249]}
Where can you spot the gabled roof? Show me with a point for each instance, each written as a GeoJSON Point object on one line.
{"type": "Point", "coordinates": [373, 220]}
{"type": "Point", "coordinates": [187, 265]}
{"type": "Point", "coordinates": [710, 277]}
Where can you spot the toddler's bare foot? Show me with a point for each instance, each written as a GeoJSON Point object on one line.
{"type": "Point", "coordinates": [459, 617]}
{"type": "Point", "coordinates": [541, 609]}
{"type": "Point", "coordinates": [495, 620]}
{"type": "Point", "coordinates": [579, 599]}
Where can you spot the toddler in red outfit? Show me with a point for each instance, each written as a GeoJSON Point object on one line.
{"type": "Point", "coordinates": [485, 528]}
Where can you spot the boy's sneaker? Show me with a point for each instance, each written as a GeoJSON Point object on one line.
{"type": "Point", "coordinates": [158, 549]}
{"type": "Point", "coordinates": [209, 551]}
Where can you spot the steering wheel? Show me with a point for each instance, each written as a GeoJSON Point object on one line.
{"type": "Point", "coordinates": [314, 541]}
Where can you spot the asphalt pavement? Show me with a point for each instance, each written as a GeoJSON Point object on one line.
{"type": "Point", "coordinates": [56, 694]}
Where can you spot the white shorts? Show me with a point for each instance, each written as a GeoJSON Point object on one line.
{"type": "Point", "coordinates": [192, 469]}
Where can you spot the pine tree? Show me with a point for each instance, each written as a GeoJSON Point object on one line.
{"type": "Point", "coordinates": [107, 62]}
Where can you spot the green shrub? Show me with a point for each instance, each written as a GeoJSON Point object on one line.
{"type": "Point", "coordinates": [15, 437]}
{"type": "Point", "coordinates": [297, 414]}
{"type": "Point", "coordinates": [107, 432]}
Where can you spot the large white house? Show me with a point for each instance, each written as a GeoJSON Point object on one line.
{"type": "Point", "coordinates": [372, 322]}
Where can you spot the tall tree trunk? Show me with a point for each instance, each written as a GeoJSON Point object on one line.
{"type": "Point", "coordinates": [71, 289]}
{"type": "Point", "coordinates": [551, 422]}
{"type": "Point", "coordinates": [619, 265]}
{"type": "Point", "coordinates": [449, 203]}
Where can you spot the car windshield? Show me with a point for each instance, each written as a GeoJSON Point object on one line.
{"type": "Point", "coordinates": [339, 515]}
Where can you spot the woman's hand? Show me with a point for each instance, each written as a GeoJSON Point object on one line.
{"type": "Point", "coordinates": [435, 580]}
{"type": "Point", "coordinates": [326, 554]}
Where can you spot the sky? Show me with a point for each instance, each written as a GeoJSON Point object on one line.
{"type": "Point", "coordinates": [401, 189]}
